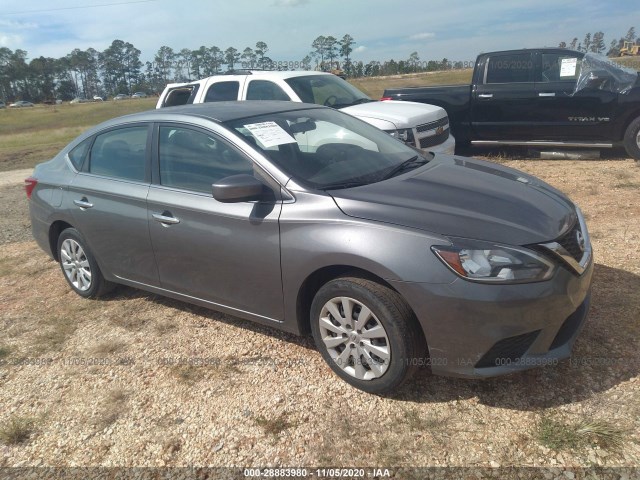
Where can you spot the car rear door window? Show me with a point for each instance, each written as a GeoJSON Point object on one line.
{"type": "Point", "coordinates": [265, 90]}
{"type": "Point", "coordinates": [120, 153]}
{"type": "Point", "coordinates": [194, 160]}
{"type": "Point", "coordinates": [512, 68]}
{"type": "Point", "coordinates": [223, 92]}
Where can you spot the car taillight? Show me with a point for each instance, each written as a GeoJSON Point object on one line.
{"type": "Point", "coordinates": [29, 184]}
{"type": "Point", "coordinates": [385, 98]}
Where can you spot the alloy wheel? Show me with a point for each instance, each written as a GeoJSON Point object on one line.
{"type": "Point", "coordinates": [75, 264]}
{"type": "Point", "coordinates": [355, 339]}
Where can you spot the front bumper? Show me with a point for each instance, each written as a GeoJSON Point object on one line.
{"type": "Point", "coordinates": [479, 330]}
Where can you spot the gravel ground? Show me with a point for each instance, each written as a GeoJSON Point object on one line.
{"type": "Point", "coordinates": [14, 221]}
{"type": "Point", "coordinates": [139, 380]}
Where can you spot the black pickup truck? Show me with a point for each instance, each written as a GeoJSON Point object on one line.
{"type": "Point", "coordinates": [545, 97]}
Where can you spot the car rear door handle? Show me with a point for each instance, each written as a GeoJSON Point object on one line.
{"type": "Point", "coordinates": [165, 218]}
{"type": "Point", "coordinates": [546, 94]}
{"type": "Point", "coordinates": [485, 95]}
{"type": "Point", "coordinates": [83, 203]}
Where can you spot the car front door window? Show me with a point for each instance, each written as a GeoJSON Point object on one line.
{"type": "Point", "coordinates": [194, 160]}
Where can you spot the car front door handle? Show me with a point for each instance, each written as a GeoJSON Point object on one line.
{"type": "Point", "coordinates": [486, 95]}
{"type": "Point", "coordinates": [165, 218]}
{"type": "Point", "coordinates": [546, 94]}
{"type": "Point", "coordinates": [83, 203]}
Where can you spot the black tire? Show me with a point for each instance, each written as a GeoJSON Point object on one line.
{"type": "Point", "coordinates": [406, 344]}
{"type": "Point", "coordinates": [76, 263]}
{"type": "Point", "coordinates": [632, 139]}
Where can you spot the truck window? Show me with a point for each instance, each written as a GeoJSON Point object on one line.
{"type": "Point", "coordinates": [222, 92]}
{"type": "Point", "coordinates": [557, 67]}
{"type": "Point", "coordinates": [265, 90]}
{"type": "Point", "coordinates": [180, 96]}
{"type": "Point", "coordinates": [512, 68]}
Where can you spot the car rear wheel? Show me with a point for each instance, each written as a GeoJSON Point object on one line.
{"type": "Point", "coordinates": [632, 139]}
{"type": "Point", "coordinates": [366, 333]}
{"type": "Point", "coordinates": [79, 266]}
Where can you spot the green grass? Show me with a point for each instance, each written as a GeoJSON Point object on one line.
{"type": "Point", "coordinates": [29, 136]}
{"type": "Point", "coordinates": [4, 352]}
{"type": "Point", "coordinates": [559, 435]}
{"type": "Point", "coordinates": [630, 62]}
{"type": "Point", "coordinates": [16, 430]}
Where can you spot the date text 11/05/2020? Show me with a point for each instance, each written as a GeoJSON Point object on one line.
{"type": "Point", "coordinates": [302, 65]}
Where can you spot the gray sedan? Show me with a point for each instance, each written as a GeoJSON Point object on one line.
{"type": "Point", "coordinates": [306, 219]}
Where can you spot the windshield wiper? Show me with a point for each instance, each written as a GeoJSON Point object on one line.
{"type": "Point", "coordinates": [413, 162]}
{"type": "Point", "coordinates": [340, 185]}
{"type": "Point", "coordinates": [359, 101]}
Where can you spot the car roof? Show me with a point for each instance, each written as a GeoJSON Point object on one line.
{"type": "Point", "coordinates": [216, 111]}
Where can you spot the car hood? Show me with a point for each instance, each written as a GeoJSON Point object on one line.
{"type": "Point", "coordinates": [463, 197]}
{"type": "Point", "coordinates": [402, 114]}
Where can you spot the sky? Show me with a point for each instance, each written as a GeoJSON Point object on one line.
{"type": "Point", "coordinates": [382, 29]}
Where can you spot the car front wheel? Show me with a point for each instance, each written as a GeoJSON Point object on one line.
{"type": "Point", "coordinates": [79, 266]}
{"type": "Point", "coordinates": [366, 333]}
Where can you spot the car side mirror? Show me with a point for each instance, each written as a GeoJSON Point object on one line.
{"type": "Point", "coordinates": [238, 188]}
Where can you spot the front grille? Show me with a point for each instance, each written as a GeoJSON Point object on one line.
{"type": "Point", "coordinates": [443, 122]}
{"type": "Point", "coordinates": [570, 325]}
{"type": "Point", "coordinates": [427, 142]}
{"type": "Point", "coordinates": [507, 350]}
{"type": "Point", "coordinates": [571, 244]}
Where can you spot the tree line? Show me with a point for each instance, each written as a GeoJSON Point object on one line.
{"type": "Point", "coordinates": [119, 69]}
{"type": "Point", "coordinates": [595, 43]}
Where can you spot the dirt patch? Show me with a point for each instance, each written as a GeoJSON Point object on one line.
{"type": "Point", "coordinates": [136, 379]}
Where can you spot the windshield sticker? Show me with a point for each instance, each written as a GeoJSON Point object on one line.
{"type": "Point", "coordinates": [568, 67]}
{"type": "Point", "coordinates": [270, 134]}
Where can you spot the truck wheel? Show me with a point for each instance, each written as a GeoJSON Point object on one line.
{"type": "Point", "coordinates": [632, 139]}
{"type": "Point", "coordinates": [367, 334]}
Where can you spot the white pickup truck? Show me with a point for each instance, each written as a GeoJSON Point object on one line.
{"type": "Point", "coordinates": [423, 126]}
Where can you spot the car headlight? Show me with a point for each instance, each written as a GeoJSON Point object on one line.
{"type": "Point", "coordinates": [404, 134]}
{"type": "Point", "coordinates": [492, 263]}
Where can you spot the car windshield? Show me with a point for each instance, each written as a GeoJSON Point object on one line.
{"type": "Point", "coordinates": [328, 90]}
{"type": "Point", "coordinates": [325, 149]}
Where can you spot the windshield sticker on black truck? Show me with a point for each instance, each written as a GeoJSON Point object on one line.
{"type": "Point", "coordinates": [568, 67]}
{"type": "Point", "coordinates": [270, 134]}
